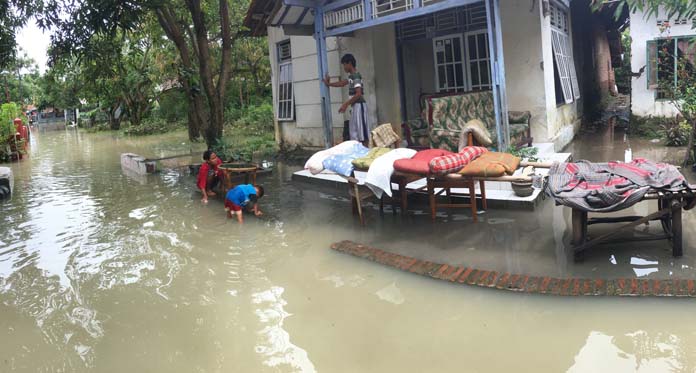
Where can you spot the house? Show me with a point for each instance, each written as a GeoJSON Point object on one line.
{"type": "Point", "coordinates": [649, 36]}
{"type": "Point", "coordinates": [520, 51]}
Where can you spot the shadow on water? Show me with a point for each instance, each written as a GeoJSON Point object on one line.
{"type": "Point", "coordinates": [101, 271]}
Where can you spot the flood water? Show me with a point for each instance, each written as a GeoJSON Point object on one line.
{"type": "Point", "coordinates": [106, 272]}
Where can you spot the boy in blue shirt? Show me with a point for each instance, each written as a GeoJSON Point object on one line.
{"type": "Point", "coordinates": [239, 197]}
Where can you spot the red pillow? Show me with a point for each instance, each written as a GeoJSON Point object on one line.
{"type": "Point", "coordinates": [451, 163]}
{"type": "Point", "coordinates": [420, 163]}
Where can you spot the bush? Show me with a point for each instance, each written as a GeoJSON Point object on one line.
{"type": "Point", "coordinates": [676, 133]}
{"type": "Point", "coordinates": [151, 126]}
{"type": "Point", "coordinates": [258, 118]}
{"type": "Point", "coordinates": [647, 127]}
{"type": "Point", "coordinates": [173, 106]}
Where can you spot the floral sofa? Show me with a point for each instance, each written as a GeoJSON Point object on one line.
{"type": "Point", "coordinates": [443, 115]}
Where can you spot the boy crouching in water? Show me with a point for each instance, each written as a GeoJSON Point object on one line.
{"type": "Point", "coordinates": [239, 197]}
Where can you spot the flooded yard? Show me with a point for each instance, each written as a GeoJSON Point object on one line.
{"type": "Point", "coordinates": [104, 272]}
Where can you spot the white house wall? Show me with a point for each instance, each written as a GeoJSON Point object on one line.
{"type": "Point", "coordinates": [524, 75]}
{"type": "Point", "coordinates": [386, 77]}
{"type": "Point", "coordinates": [307, 128]}
{"type": "Point", "coordinates": [643, 101]}
{"type": "Point", "coordinates": [375, 52]}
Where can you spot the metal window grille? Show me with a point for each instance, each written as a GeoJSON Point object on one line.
{"type": "Point", "coordinates": [284, 51]}
{"type": "Point", "coordinates": [344, 16]}
{"type": "Point", "coordinates": [460, 19]}
{"type": "Point", "coordinates": [450, 70]}
{"type": "Point", "coordinates": [384, 7]}
{"type": "Point", "coordinates": [286, 98]}
{"type": "Point", "coordinates": [478, 61]}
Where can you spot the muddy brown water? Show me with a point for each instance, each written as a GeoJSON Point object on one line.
{"type": "Point", "coordinates": [106, 272]}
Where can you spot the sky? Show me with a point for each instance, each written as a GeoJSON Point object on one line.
{"type": "Point", "coordinates": [35, 43]}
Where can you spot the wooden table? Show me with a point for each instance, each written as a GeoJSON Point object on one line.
{"type": "Point", "coordinates": [669, 213]}
{"type": "Point", "coordinates": [234, 172]}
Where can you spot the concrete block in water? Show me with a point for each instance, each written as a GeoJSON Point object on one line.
{"type": "Point", "coordinates": [137, 164]}
{"type": "Point", "coordinates": [6, 182]}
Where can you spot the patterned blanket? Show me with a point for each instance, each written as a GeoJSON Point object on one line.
{"type": "Point", "coordinates": [612, 186]}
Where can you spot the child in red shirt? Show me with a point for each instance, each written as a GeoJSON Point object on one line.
{"type": "Point", "coordinates": [209, 174]}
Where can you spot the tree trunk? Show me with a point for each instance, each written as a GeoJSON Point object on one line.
{"type": "Point", "coordinates": [197, 117]}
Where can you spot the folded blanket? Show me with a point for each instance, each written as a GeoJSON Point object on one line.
{"type": "Point", "coordinates": [612, 186]}
{"type": "Point", "coordinates": [365, 162]}
{"type": "Point", "coordinates": [315, 164]}
{"type": "Point", "coordinates": [492, 164]}
{"type": "Point", "coordinates": [383, 136]}
{"type": "Point", "coordinates": [379, 175]}
{"type": "Point", "coordinates": [342, 164]}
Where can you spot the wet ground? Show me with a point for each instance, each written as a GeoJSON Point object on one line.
{"type": "Point", "coordinates": [100, 271]}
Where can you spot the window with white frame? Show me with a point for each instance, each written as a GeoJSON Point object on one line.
{"type": "Point", "coordinates": [565, 74]}
{"type": "Point", "coordinates": [449, 63]}
{"type": "Point", "coordinates": [479, 62]}
{"type": "Point", "coordinates": [286, 97]}
{"type": "Point", "coordinates": [462, 62]}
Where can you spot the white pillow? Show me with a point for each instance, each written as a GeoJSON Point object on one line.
{"type": "Point", "coordinates": [315, 163]}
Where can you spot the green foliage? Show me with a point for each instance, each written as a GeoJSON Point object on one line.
{"type": "Point", "coordinates": [8, 112]}
{"type": "Point", "coordinates": [172, 106]}
{"type": "Point", "coordinates": [153, 126]}
{"type": "Point", "coordinates": [646, 127]}
{"type": "Point", "coordinates": [258, 118]}
{"type": "Point", "coordinates": [525, 152]}
{"type": "Point", "coordinates": [676, 133]}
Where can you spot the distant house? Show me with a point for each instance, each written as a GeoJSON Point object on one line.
{"type": "Point", "coordinates": [648, 36]}
{"type": "Point", "coordinates": [531, 55]}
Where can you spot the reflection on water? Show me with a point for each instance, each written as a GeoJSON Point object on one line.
{"type": "Point", "coordinates": [107, 272]}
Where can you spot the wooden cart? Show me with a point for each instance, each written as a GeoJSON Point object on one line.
{"type": "Point", "coordinates": [669, 213]}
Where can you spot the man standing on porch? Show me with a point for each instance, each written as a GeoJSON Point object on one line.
{"type": "Point", "coordinates": [359, 126]}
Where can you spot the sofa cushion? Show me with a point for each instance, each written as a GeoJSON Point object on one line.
{"type": "Point", "coordinates": [364, 163]}
{"type": "Point", "coordinates": [420, 163]}
{"type": "Point", "coordinates": [491, 164]}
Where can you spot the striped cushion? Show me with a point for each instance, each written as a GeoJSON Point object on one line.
{"type": "Point", "coordinates": [448, 164]}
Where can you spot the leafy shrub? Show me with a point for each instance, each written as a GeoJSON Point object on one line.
{"type": "Point", "coordinates": [173, 106]}
{"type": "Point", "coordinates": [647, 127]}
{"type": "Point", "coordinates": [151, 126]}
{"type": "Point", "coordinates": [526, 152]}
{"type": "Point", "coordinates": [676, 133]}
{"type": "Point", "coordinates": [258, 118]}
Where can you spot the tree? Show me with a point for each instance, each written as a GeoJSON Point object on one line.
{"type": "Point", "coordinates": [682, 8]}
{"type": "Point", "coordinates": [203, 32]}
{"type": "Point", "coordinates": [677, 82]}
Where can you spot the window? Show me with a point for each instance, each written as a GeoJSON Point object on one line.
{"type": "Point", "coordinates": [286, 98]}
{"type": "Point", "coordinates": [564, 70]}
{"type": "Point", "coordinates": [479, 64]}
{"type": "Point", "coordinates": [449, 63]}
{"type": "Point", "coordinates": [668, 61]}
{"type": "Point", "coordinates": [462, 62]}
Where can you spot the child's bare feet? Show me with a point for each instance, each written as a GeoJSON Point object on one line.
{"type": "Point", "coordinates": [211, 193]}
